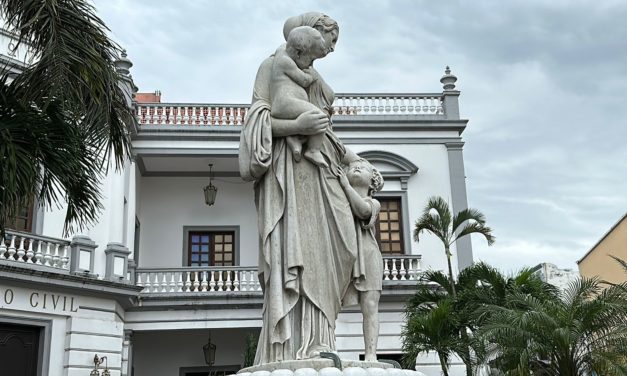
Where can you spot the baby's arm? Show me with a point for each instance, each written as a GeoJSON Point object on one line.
{"type": "Point", "coordinates": [289, 67]}
{"type": "Point", "coordinates": [359, 206]}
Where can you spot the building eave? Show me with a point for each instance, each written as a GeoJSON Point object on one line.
{"type": "Point", "coordinates": [603, 238]}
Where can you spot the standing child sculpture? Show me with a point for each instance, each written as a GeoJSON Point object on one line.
{"type": "Point", "coordinates": [288, 82]}
{"type": "Point", "coordinates": [359, 183]}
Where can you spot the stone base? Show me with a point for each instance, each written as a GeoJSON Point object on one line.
{"type": "Point", "coordinates": [325, 367]}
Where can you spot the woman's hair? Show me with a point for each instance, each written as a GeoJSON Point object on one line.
{"type": "Point", "coordinates": [326, 23]}
{"type": "Point", "coordinates": [318, 21]}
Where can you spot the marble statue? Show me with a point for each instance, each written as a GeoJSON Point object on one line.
{"type": "Point", "coordinates": [315, 221]}
{"type": "Point", "coordinates": [288, 84]}
{"type": "Point", "coordinates": [359, 182]}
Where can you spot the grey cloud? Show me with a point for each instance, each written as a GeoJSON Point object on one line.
{"type": "Point", "coordinates": [543, 84]}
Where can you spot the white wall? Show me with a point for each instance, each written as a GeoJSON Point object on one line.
{"type": "Point", "coordinates": [163, 353]}
{"type": "Point", "coordinates": [169, 203]}
{"type": "Point", "coordinates": [431, 179]}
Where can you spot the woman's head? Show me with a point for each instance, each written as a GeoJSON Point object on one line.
{"type": "Point", "coordinates": [321, 22]}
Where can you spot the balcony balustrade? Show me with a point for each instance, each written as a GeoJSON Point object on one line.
{"type": "Point", "coordinates": [28, 249]}
{"type": "Point", "coordinates": [188, 114]}
{"type": "Point", "coordinates": [243, 280]}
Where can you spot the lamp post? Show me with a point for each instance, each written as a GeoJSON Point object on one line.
{"type": "Point", "coordinates": [210, 190]}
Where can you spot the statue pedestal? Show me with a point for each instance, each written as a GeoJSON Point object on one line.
{"type": "Point", "coordinates": [325, 367]}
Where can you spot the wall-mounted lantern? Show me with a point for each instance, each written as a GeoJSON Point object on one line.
{"type": "Point", "coordinates": [97, 363]}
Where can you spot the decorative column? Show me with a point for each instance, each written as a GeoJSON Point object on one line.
{"type": "Point", "coordinates": [450, 96]}
{"type": "Point", "coordinates": [127, 353]}
{"type": "Point", "coordinates": [82, 250]}
{"type": "Point", "coordinates": [459, 199]}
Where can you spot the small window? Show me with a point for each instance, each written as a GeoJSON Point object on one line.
{"type": "Point", "coordinates": [389, 226]}
{"type": "Point", "coordinates": [211, 248]}
{"type": "Point", "coordinates": [24, 219]}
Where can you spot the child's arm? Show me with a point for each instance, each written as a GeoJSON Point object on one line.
{"type": "Point", "coordinates": [360, 207]}
{"type": "Point", "coordinates": [289, 67]}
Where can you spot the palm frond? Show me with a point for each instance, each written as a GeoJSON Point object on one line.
{"type": "Point", "coordinates": [69, 104]}
{"type": "Point", "coordinates": [476, 228]}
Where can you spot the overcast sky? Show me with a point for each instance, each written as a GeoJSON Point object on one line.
{"type": "Point", "coordinates": [544, 84]}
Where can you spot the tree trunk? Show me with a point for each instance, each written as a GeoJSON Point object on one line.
{"type": "Point", "coordinates": [450, 270]}
{"type": "Point", "coordinates": [443, 364]}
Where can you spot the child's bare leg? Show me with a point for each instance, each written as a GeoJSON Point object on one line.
{"type": "Point", "coordinates": [313, 154]}
{"type": "Point", "coordinates": [297, 147]}
{"type": "Point", "coordinates": [369, 302]}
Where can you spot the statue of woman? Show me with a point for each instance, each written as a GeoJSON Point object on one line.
{"type": "Point", "coordinates": [307, 233]}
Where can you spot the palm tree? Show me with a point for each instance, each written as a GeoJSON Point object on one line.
{"type": "Point", "coordinates": [476, 286]}
{"type": "Point", "coordinates": [63, 119]}
{"type": "Point", "coordinates": [438, 220]}
{"type": "Point", "coordinates": [581, 332]}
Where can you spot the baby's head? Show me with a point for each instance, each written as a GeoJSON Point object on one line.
{"type": "Point", "coordinates": [361, 173]}
{"type": "Point", "coordinates": [304, 45]}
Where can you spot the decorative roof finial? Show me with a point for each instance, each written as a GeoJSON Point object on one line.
{"type": "Point", "coordinates": [448, 80]}
{"type": "Point", "coordinates": [123, 64]}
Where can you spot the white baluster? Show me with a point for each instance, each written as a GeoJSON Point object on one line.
{"type": "Point", "coordinates": [236, 280]}
{"type": "Point", "coordinates": [30, 253]}
{"type": "Point", "coordinates": [188, 282]}
{"type": "Point", "coordinates": [173, 282]}
{"type": "Point", "coordinates": [48, 255]}
{"type": "Point", "coordinates": [403, 106]}
{"type": "Point", "coordinates": [65, 260]}
{"type": "Point", "coordinates": [220, 282]}
{"type": "Point", "coordinates": [394, 270]}
{"type": "Point", "coordinates": [3, 248]}
{"type": "Point", "coordinates": [410, 270]}
{"type": "Point", "coordinates": [203, 284]}
{"type": "Point", "coordinates": [164, 283]}
{"type": "Point", "coordinates": [147, 284]}
{"type": "Point", "coordinates": [12, 249]}
{"type": "Point", "coordinates": [386, 270]}
{"type": "Point", "coordinates": [196, 281]}
{"type": "Point", "coordinates": [139, 282]}
{"type": "Point", "coordinates": [38, 255]}
{"type": "Point", "coordinates": [228, 285]}
{"type": "Point", "coordinates": [212, 283]}
{"type": "Point", "coordinates": [395, 105]}
{"type": "Point", "coordinates": [244, 282]}
{"type": "Point", "coordinates": [402, 273]}
{"type": "Point", "coordinates": [21, 251]}
{"type": "Point", "coordinates": [55, 256]}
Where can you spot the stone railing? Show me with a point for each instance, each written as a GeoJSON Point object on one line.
{"type": "Point", "coordinates": [242, 279]}
{"type": "Point", "coordinates": [190, 114]}
{"type": "Point", "coordinates": [198, 279]}
{"type": "Point", "coordinates": [25, 248]}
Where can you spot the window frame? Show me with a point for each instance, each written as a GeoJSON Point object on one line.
{"type": "Point", "coordinates": [404, 219]}
{"type": "Point", "coordinates": [188, 229]}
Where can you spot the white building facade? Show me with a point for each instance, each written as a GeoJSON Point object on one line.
{"type": "Point", "coordinates": [162, 272]}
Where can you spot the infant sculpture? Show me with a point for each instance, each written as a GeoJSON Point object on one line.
{"type": "Point", "coordinates": [315, 208]}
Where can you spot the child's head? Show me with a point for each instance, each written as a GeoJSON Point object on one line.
{"type": "Point", "coordinates": [304, 44]}
{"type": "Point", "coordinates": [362, 173]}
